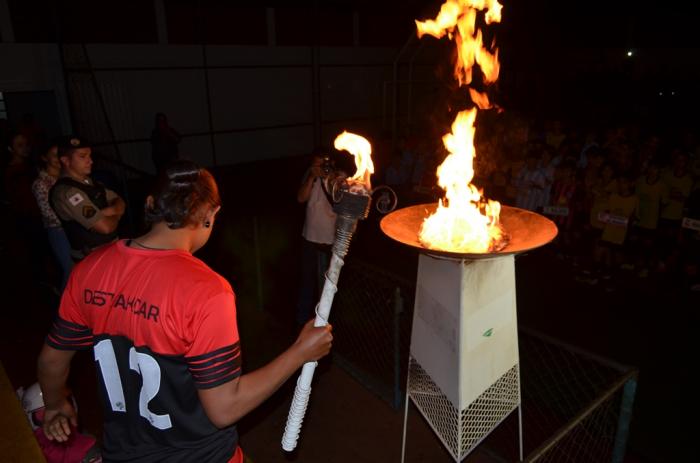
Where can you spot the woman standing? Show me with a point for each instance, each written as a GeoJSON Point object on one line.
{"type": "Point", "coordinates": [57, 237]}
{"type": "Point", "coordinates": [164, 142]}
{"type": "Point", "coordinates": [31, 245]}
{"type": "Point", "coordinates": [163, 328]}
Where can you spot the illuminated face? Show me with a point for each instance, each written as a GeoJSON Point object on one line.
{"type": "Point", "coordinates": [680, 162]}
{"type": "Point", "coordinates": [653, 171]}
{"type": "Point", "coordinates": [79, 162]}
{"type": "Point", "coordinates": [608, 172]}
{"type": "Point", "coordinates": [596, 161]}
{"type": "Point", "coordinates": [52, 161]}
{"type": "Point", "coordinates": [161, 122]}
{"type": "Point", "coordinates": [546, 157]}
{"type": "Point", "coordinates": [625, 186]}
{"type": "Point", "coordinates": [20, 146]}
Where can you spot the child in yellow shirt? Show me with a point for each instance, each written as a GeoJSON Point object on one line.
{"type": "Point", "coordinates": [618, 216]}
{"type": "Point", "coordinates": [653, 195]}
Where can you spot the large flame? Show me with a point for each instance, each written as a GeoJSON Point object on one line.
{"type": "Point", "coordinates": [464, 221]}
{"type": "Point", "coordinates": [457, 19]}
{"type": "Point", "coordinates": [361, 149]}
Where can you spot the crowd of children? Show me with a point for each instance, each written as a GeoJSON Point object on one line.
{"type": "Point", "coordinates": [624, 199]}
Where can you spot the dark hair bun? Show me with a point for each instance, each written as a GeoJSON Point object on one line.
{"type": "Point", "coordinates": [182, 174]}
{"type": "Point", "coordinates": [182, 193]}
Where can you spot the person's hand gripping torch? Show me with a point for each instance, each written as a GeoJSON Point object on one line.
{"type": "Point", "coordinates": [352, 199]}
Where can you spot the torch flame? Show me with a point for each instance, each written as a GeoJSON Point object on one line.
{"type": "Point", "coordinates": [464, 221]}
{"type": "Point", "coordinates": [361, 149]}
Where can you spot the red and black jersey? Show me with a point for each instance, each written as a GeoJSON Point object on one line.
{"type": "Point", "coordinates": [162, 325]}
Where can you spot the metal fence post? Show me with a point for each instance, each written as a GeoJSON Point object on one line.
{"type": "Point", "coordinates": [623, 421]}
{"type": "Point", "coordinates": [398, 309]}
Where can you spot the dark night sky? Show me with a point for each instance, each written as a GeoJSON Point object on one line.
{"type": "Point", "coordinates": [538, 23]}
{"type": "Point", "coordinates": [550, 49]}
{"type": "Point", "coordinates": [602, 24]}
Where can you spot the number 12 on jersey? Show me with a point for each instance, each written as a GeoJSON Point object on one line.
{"type": "Point", "coordinates": [143, 364]}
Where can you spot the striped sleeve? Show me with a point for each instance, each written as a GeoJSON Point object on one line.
{"type": "Point", "coordinates": [70, 330]}
{"type": "Point", "coordinates": [214, 355]}
{"type": "Point", "coordinates": [217, 367]}
{"type": "Point", "coordinates": [65, 335]}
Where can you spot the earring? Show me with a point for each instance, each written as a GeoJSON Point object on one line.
{"type": "Point", "coordinates": [207, 224]}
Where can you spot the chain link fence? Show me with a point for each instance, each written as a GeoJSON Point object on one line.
{"type": "Point", "coordinates": [576, 407]}
{"type": "Point", "coordinates": [598, 433]}
{"type": "Point", "coordinates": [372, 332]}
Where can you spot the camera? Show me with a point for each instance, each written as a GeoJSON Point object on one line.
{"type": "Point", "coordinates": [327, 165]}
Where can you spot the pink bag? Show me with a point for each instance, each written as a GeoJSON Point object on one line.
{"type": "Point", "coordinates": [79, 448]}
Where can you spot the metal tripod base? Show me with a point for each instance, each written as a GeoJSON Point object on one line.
{"type": "Point", "coordinates": [460, 431]}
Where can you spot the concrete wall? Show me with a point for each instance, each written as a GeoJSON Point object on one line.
{"type": "Point", "coordinates": [35, 68]}
{"type": "Point", "coordinates": [260, 97]}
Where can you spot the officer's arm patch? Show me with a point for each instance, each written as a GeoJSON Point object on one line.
{"type": "Point", "coordinates": [76, 199]}
{"type": "Point", "coordinates": [88, 211]}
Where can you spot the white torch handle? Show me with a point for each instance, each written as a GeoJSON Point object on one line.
{"type": "Point", "coordinates": [303, 389]}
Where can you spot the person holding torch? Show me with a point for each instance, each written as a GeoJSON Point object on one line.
{"type": "Point", "coordinates": [351, 202]}
{"type": "Point", "coordinates": [163, 329]}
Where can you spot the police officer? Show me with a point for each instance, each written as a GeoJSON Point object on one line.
{"type": "Point", "coordinates": [88, 211]}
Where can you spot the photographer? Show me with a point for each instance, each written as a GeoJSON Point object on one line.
{"type": "Point", "coordinates": [318, 233]}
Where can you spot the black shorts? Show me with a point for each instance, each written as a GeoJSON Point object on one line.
{"type": "Point", "coordinates": [612, 246]}
{"type": "Point", "coordinates": [645, 236]}
{"type": "Point", "coordinates": [669, 226]}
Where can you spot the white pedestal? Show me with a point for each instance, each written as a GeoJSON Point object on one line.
{"type": "Point", "coordinates": [463, 373]}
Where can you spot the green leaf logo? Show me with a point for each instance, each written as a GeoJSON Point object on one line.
{"type": "Point", "coordinates": [488, 333]}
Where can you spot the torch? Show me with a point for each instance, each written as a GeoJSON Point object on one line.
{"type": "Point", "coordinates": [352, 198]}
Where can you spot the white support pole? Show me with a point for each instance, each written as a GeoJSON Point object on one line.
{"type": "Point", "coordinates": [355, 29]}
{"type": "Point", "coordinates": [7, 33]}
{"type": "Point", "coordinates": [161, 21]}
{"type": "Point", "coordinates": [405, 411]}
{"type": "Point", "coordinates": [520, 414]}
{"type": "Point", "coordinates": [271, 27]}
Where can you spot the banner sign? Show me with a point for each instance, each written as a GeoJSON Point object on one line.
{"type": "Point", "coordinates": [560, 211]}
{"type": "Point", "coordinates": [692, 224]}
{"type": "Point", "coordinates": [612, 219]}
